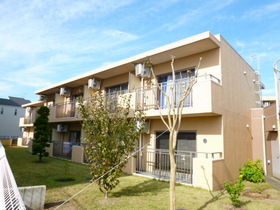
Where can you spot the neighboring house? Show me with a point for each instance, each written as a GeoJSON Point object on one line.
{"type": "Point", "coordinates": [214, 140]}
{"type": "Point", "coordinates": [10, 113]}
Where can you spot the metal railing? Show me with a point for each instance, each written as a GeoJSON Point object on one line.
{"type": "Point", "coordinates": [67, 109]}
{"type": "Point", "coordinates": [156, 163]}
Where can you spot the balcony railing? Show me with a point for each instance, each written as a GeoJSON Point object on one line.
{"type": "Point", "coordinates": [28, 120]}
{"type": "Point", "coordinates": [156, 163]}
{"type": "Point", "coordinates": [112, 99]}
{"type": "Point", "coordinates": [153, 97]}
{"type": "Point", "coordinates": [67, 109]}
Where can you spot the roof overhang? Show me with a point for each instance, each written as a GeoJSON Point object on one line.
{"type": "Point", "coordinates": [192, 45]}
{"type": "Point", "coordinates": [33, 104]}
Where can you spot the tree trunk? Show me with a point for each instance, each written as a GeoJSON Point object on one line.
{"type": "Point", "coordinates": [172, 138]}
{"type": "Point", "coordinates": [106, 194]}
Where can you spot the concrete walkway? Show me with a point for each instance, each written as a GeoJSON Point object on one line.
{"type": "Point", "coordinates": [274, 182]}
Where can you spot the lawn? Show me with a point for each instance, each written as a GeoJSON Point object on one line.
{"type": "Point", "coordinates": [133, 192]}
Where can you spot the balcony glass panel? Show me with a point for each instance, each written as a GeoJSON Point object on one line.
{"type": "Point", "coordinates": [66, 110]}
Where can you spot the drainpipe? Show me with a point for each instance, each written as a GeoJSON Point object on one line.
{"type": "Point", "coordinates": [142, 92]}
{"type": "Point", "coordinates": [264, 145]}
{"type": "Point", "coordinates": [140, 152]}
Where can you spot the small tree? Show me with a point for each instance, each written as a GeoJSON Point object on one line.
{"type": "Point", "coordinates": [111, 133]}
{"type": "Point", "coordinates": [174, 115]}
{"type": "Point", "coordinates": [234, 191]}
{"type": "Point", "coordinates": [41, 133]}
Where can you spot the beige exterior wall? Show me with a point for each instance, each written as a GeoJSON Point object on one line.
{"type": "Point", "coordinates": [208, 128]}
{"type": "Point", "coordinates": [208, 174]}
{"type": "Point", "coordinates": [238, 97]}
{"type": "Point", "coordinates": [256, 129]}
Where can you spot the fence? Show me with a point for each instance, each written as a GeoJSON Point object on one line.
{"type": "Point", "coordinates": [9, 194]}
{"type": "Point", "coordinates": [156, 163]}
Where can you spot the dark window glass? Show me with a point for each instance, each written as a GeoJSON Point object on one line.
{"type": "Point", "coordinates": [186, 141]}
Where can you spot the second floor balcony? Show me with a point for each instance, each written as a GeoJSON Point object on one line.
{"type": "Point", "coordinates": [67, 111]}
{"type": "Point", "coordinates": [204, 98]}
{"type": "Point", "coordinates": [28, 121]}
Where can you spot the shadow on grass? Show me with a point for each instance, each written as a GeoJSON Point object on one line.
{"type": "Point", "coordinates": [217, 197]}
{"type": "Point", "coordinates": [54, 204]}
{"type": "Point", "coordinates": [149, 186]}
{"type": "Point", "coordinates": [212, 200]}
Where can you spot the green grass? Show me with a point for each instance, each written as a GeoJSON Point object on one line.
{"type": "Point", "coordinates": [133, 192]}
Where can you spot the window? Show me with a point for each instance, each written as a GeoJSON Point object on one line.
{"type": "Point", "coordinates": [181, 83]}
{"type": "Point", "coordinates": [15, 111]}
{"type": "Point", "coordinates": [186, 141]}
{"type": "Point", "coordinates": [113, 92]}
{"type": "Point", "coordinates": [76, 98]}
{"type": "Point", "coordinates": [75, 137]}
{"type": "Point", "coordinates": [118, 88]}
{"type": "Point", "coordinates": [2, 110]}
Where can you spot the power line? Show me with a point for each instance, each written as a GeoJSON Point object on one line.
{"type": "Point", "coordinates": [128, 157]}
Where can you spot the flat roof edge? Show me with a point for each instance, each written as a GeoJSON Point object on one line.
{"type": "Point", "coordinates": [137, 58]}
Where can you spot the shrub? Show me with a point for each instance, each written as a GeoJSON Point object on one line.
{"type": "Point", "coordinates": [234, 190]}
{"type": "Point", "coordinates": [253, 171]}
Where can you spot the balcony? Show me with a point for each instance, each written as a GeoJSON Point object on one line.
{"type": "Point", "coordinates": [28, 121]}
{"type": "Point", "coordinates": [156, 163]}
{"type": "Point", "coordinates": [204, 98]}
{"type": "Point", "coordinates": [64, 112]}
{"type": "Point", "coordinates": [117, 98]}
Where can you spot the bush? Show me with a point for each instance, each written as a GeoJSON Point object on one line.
{"type": "Point", "coordinates": [253, 171]}
{"type": "Point", "coordinates": [234, 191]}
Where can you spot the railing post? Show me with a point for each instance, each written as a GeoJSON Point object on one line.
{"type": "Point", "coordinates": [159, 163]}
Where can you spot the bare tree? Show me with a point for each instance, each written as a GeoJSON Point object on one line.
{"type": "Point", "coordinates": [174, 115]}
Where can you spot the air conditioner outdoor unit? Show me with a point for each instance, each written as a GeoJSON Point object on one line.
{"type": "Point", "coordinates": [94, 83]}
{"type": "Point", "coordinates": [62, 128]}
{"type": "Point", "coordinates": [65, 91]}
{"type": "Point", "coordinates": [145, 125]}
{"type": "Point", "coordinates": [41, 98]}
{"type": "Point", "coordinates": [142, 71]}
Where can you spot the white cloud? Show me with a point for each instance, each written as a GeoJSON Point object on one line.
{"type": "Point", "coordinates": [263, 11]}
{"type": "Point", "coordinates": [239, 44]}
{"type": "Point", "coordinates": [202, 11]}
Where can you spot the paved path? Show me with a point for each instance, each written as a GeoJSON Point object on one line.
{"type": "Point", "coordinates": [274, 182]}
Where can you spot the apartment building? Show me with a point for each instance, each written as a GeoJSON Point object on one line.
{"type": "Point", "coordinates": [214, 140]}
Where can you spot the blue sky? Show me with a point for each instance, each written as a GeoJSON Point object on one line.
{"type": "Point", "coordinates": [46, 41]}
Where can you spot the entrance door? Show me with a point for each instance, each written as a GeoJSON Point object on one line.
{"type": "Point", "coordinates": [275, 158]}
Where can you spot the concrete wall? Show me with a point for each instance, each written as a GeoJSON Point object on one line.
{"type": "Point", "coordinates": [206, 173]}
{"type": "Point", "coordinates": [77, 154]}
{"type": "Point", "coordinates": [33, 197]}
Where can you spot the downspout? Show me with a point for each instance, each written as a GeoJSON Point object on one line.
{"type": "Point", "coordinates": [277, 99]}
{"type": "Point", "coordinates": [264, 145]}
